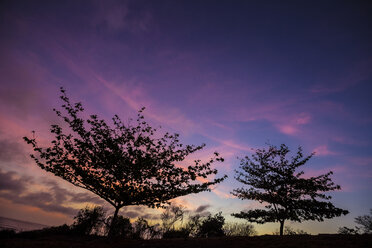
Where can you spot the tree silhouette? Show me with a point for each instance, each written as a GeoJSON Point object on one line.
{"type": "Point", "coordinates": [124, 164]}
{"type": "Point", "coordinates": [273, 180]}
{"type": "Point", "coordinates": [365, 221]}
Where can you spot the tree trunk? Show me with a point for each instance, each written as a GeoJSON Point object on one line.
{"type": "Point", "coordinates": [113, 221]}
{"type": "Point", "coordinates": [281, 227]}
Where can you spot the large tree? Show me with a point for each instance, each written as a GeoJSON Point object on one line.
{"type": "Point", "coordinates": [285, 194]}
{"type": "Point", "coordinates": [124, 164]}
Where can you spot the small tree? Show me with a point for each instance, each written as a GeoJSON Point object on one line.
{"type": "Point", "coordinates": [273, 180]}
{"type": "Point", "coordinates": [124, 164]}
{"type": "Point", "coordinates": [365, 221]}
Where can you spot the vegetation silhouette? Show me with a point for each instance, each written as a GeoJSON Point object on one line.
{"type": "Point", "coordinates": [273, 180]}
{"type": "Point", "coordinates": [364, 225]}
{"type": "Point", "coordinates": [124, 164]}
{"type": "Point", "coordinates": [212, 226]}
{"type": "Point", "coordinates": [89, 221]}
{"type": "Point", "coordinates": [365, 222]}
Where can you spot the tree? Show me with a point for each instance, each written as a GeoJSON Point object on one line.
{"type": "Point", "coordinates": [365, 221]}
{"type": "Point", "coordinates": [273, 180]}
{"type": "Point", "coordinates": [124, 164]}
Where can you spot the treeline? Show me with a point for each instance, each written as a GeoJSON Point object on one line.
{"type": "Point", "coordinates": [175, 223]}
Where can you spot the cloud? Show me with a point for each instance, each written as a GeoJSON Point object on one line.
{"type": "Point", "coordinates": [134, 212]}
{"type": "Point", "coordinates": [11, 151]}
{"type": "Point", "coordinates": [323, 150]}
{"type": "Point", "coordinates": [202, 208]}
{"type": "Point", "coordinates": [118, 16]}
{"type": "Point", "coordinates": [22, 190]}
{"type": "Point", "coordinates": [9, 182]}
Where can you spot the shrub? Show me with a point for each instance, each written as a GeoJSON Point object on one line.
{"type": "Point", "coordinates": [88, 221]}
{"type": "Point", "coordinates": [7, 233]}
{"type": "Point", "coordinates": [290, 231]}
{"type": "Point", "coordinates": [179, 233]}
{"type": "Point", "coordinates": [212, 226]}
{"type": "Point", "coordinates": [365, 222]}
{"type": "Point", "coordinates": [142, 230]}
{"type": "Point", "coordinates": [121, 228]}
{"type": "Point", "coordinates": [193, 225]}
{"type": "Point", "coordinates": [348, 231]}
{"type": "Point", "coordinates": [48, 231]}
{"type": "Point", "coordinates": [239, 229]}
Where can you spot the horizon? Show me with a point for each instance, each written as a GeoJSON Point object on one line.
{"type": "Point", "coordinates": [235, 76]}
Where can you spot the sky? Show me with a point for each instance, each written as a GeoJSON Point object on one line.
{"type": "Point", "coordinates": [235, 75]}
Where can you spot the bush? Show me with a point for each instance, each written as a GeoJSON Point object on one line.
{"type": "Point", "coordinates": [121, 228]}
{"type": "Point", "coordinates": [48, 231]}
{"type": "Point", "coordinates": [170, 216]}
{"type": "Point", "coordinates": [212, 226]}
{"type": "Point", "coordinates": [290, 231]}
{"type": "Point", "coordinates": [142, 230]}
{"type": "Point", "coordinates": [239, 229]}
{"type": "Point", "coordinates": [365, 222]}
{"type": "Point", "coordinates": [193, 225]}
{"type": "Point", "coordinates": [180, 233]}
{"type": "Point", "coordinates": [7, 233]}
{"type": "Point", "coordinates": [88, 221]}
{"type": "Point", "coordinates": [348, 231]}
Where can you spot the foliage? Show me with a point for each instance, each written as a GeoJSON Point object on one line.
{"type": "Point", "coordinates": [212, 226]}
{"type": "Point", "coordinates": [365, 221]}
{"type": "Point", "coordinates": [88, 221]}
{"type": "Point", "coordinates": [183, 232]}
{"type": "Point", "coordinates": [124, 164]}
{"type": "Point", "coordinates": [142, 230]}
{"type": "Point", "coordinates": [290, 231]}
{"type": "Point", "coordinates": [62, 230]}
{"type": "Point", "coordinates": [7, 233]}
{"type": "Point", "coordinates": [170, 216]}
{"type": "Point", "coordinates": [239, 229]}
{"type": "Point", "coordinates": [121, 228]}
{"type": "Point", "coordinates": [193, 225]}
{"type": "Point", "coordinates": [273, 180]}
{"type": "Point", "coordinates": [348, 231]}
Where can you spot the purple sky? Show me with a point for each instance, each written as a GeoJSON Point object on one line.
{"type": "Point", "coordinates": [234, 75]}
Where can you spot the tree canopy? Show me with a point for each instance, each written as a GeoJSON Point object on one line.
{"type": "Point", "coordinates": [286, 195]}
{"type": "Point", "coordinates": [124, 164]}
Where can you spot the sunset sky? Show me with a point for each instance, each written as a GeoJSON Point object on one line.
{"type": "Point", "coordinates": [235, 75]}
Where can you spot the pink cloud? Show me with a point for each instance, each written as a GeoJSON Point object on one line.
{"type": "Point", "coordinates": [287, 129]}
{"type": "Point", "coordinates": [323, 150]}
